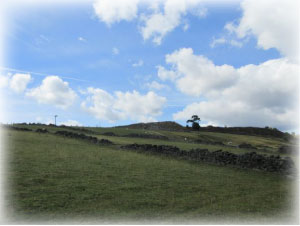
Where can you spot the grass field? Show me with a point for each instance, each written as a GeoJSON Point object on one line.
{"type": "Point", "coordinates": [51, 178]}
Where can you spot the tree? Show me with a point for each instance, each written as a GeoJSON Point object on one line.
{"type": "Point", "coordinates": [195, 122]}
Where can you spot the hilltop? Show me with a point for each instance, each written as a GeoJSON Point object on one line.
{"type": "Point", "coordinates": [166, 125]}
{"type": "Point", "coordinates": [173, 126]}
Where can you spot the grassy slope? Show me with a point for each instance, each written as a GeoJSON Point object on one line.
{"type": "Point", "coordinates": [57, 177]}
{"type": "Point", "coordinates": [178, 139]}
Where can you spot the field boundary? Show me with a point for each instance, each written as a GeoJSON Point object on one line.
{"type": "Point", "coordinates": [250, 160]}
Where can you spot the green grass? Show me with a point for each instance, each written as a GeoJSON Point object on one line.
{"type": "Point", "coordinates": [52, 177]}
{"type": "Point", "coordinates": [186, 140]}
{"type": "Point", "coordinates": [236, 139]}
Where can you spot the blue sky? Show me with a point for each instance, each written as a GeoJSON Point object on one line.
{"type": "Point", "coordinates": [99, 67]}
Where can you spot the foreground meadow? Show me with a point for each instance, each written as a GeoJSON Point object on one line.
{"type": "Point", "coordinates": [52, 178]}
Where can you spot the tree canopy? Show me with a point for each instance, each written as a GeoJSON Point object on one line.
{"type": "Point", "coordinates": [195, 122]}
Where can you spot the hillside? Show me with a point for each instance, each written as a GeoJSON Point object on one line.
{"type": "Point", "coordinates": [121, 174]}
{"type": "Point", "coordinates": [167, 125]}
{"type": "Point", "coordinates": [256, 131]}
{"type": "Point", "coordinates": [173, 126]}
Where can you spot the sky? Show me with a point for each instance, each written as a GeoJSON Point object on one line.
{"type": "Point", "coordinates": [108, 63]}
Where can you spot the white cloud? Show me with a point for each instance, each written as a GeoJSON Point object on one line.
{"type": "Point", "coordinates": [217, 41]}
{"type": "Point", "coordinates": [200, 12]}
{"type": "Point", "coordinates": [54, 91]}
{"type": "Point", "coordinates": [19, 82]}
{"type": "Point", "coordinates": [225, 40]}
{"type": "Point", "coordinates": [115, 51]}
{"type": "Point", "coordinates": [225, 112]}
{"type": "Point", "coordinates": [275, 23]}
{"type": "Point", "coordinates": [230, 27]}
{"type": "Point", "coordinates": [121, 106]}
{"type": "Point", "coordinates": [114, 11]}
{"type": "Point", "coordinates": [164, 74]}
{"type": "Point", "coordinates": [156, 85]}
{"type": "Point", "coordinates": [100, 104]}
{"type": "Point", "coordinates": [159, 17]}
{"type": "Point", "coordinates": [39, 119]}
{"type": "Point", "coordinates": [186, 26]}
{"type": "Point", "coordinates": [265, 94]}
{"type": "Point", "coordinates": [196, 75]}
{"type": "Point", "coordinates": [138, 64]}
{"type": "Point", "coordinates": [158, 24]}
{"type": "Point", "coordinates": [71, 123]}
{"type": "Point", "coordinates": [257, 95]}
{"type": "Point", "coordinates": [81, 39]}
{"type": "Point", "coordinates": [4, 81]}
{"type": "Point", "coordinates": [141, 107]}
{"type": "Point", "coordinates": [236, 43]}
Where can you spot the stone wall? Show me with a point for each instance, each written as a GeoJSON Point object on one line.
{"type": "Point", "coordinates": [82, 136]}
{"type": "Point", "coordinates": [250, 160]}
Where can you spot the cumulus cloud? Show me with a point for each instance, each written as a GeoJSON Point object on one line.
{"type": "Point", "coordinates": [71, 123]}
{"type": "Point", "coordinates": [164, 74]}
{"type": "Point", "coordinates": [274, 23]}
{"type": "Point", "coordinates": [114, 11]}
{"type": "Point", "coordinates": [158, 24]}
{"type": "Point", "coordinates": [195, 74]}
{"type": "Point", "coordinates": [100, 104]}
{"type": "Point", "coordinates": [121, 106]}
{"type": "Point", "coordinates": [159, 18]}
{"type": "Point", "coordinates": [19, 82]}
{"type": "Point", "coordinates": [54, 91]}
{"type": "Point", "coordinates": [257, 95]}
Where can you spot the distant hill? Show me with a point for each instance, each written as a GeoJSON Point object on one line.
{"type": "Point", "coordinates": [167, 125]}
{"type": "Point", "coordinates": [173, 126]}
{"type": "Point", "coordinates": [272, 132]}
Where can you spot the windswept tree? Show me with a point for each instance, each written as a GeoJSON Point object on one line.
{"type": "Point", "coordinates": [195, 122]}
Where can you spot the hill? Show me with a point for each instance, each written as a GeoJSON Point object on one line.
{"type": "Point", "coordinates": [83, 173]}
{"type": "Point", "coordinates": [256, 131]}
{"type": "Point", "coordinates": [167, 126]}
{"type": "Point", "coordinates": [173, 126]}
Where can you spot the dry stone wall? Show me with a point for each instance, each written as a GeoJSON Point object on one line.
{"type": "Point", "coordinates": [149, 136]}
{"type": "Point", "coordinates": [250, 160]}
{"type": "Point", "coordinates": [82, 136]}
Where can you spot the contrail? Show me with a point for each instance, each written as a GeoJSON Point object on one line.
{"type": "Point", "coordinates": [41, 74]}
